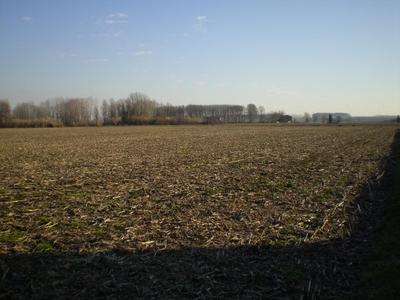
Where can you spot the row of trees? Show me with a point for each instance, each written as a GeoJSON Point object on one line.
{"type": "Point", "coordinates": [327, 117]}
{"type": "Point", "coordinates": [137, 108]}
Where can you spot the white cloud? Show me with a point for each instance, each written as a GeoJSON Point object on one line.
{"type": "Point", "coordinates": [143, 45]}
{"type": "Point", "coordinates": [79, 36]}
{"type": "Point", "coordinates": [26, 18]}
{"type": "Point", "coordinates": [185, 34]}
{"type": "Point", "coordinates": [199, 26]}
{"type": "Point", "coordinates": [115, 21]}
{"type": "Point", "coordinates": [118, 15]}
{"type": "Point", "coordinates": [220, 84]}
{"type": "Point", "coordinates": [96, 60]}
{"type": "Point", "coordinates": [108, 34]}
{"type": "Point", "coordinates": [179, 81]}
{"type": "Point", "coordinates": [201, 83]}
{"type": "Point", "coordinates": [138, 53]}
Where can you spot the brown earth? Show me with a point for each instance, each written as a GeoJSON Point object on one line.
{"type": "Point", "coordinates": [195, 212]}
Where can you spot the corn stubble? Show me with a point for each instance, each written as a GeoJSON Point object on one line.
{"type": "Point", "coordinates": [206, 212]}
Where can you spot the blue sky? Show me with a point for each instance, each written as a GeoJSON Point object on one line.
{"type": "Point", "coordinates": [296, 56]}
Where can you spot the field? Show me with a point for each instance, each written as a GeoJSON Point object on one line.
{"type": "Point", "coordinates": [197, 212]}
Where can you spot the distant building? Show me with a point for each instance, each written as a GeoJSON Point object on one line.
{"type": "Point", "coordinates": [286, 119]}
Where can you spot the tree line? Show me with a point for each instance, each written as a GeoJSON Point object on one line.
{"type": "Point", "coordinates": [327, 117]}
{"type": "Point", "coordinates": [136, 109]}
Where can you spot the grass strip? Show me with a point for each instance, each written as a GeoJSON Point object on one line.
{"type": "Point", "coordinates": [381, 278]}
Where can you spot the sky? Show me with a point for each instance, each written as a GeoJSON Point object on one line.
{"type": "Point", "coordinates": [296, 56]}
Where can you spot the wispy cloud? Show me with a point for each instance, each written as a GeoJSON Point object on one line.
{"type": "Point", "coordinates": [115, 21]}
{"type": "Point", "coordinates": [96, 60]}
{"type": "Point", "coordinates": [26, 18]}
{"type": "Point", "coordinates": [143, 45]}
{"type": "Point", "coordinates": [138, 53]}
{"type": "Point", "coordinates": [199, 28]}
{"type": "Point", "coordinates": [117, 18]}
{"type": "Point", "coordinates": [65, 55]}
{"type": "Point", "coordinates": [185, 34]}
{"type": "Point", "coordinates": [201, 83]}
{"type": "Point", "coordinates": [117, 15]}
{"type": "Point", "coordinates": [108, 34]}
{"type": "Point", "coordinates": [222, 84]}
{"type": "Point", "coordinates": [199, 25]}
{"type": "Point", "coordinates": [179, 81]}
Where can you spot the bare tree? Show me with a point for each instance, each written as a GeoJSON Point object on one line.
{"type": "Point", "coordinates": [5, 113]}
{"type": "Point", "coordinates": [307, 117]}
{"type": "Point", "coordinates": [85, 110]}
{"type": "Point", "coordinates": [261, 111]}
{"type": "Point", "coordinates": [46, 110]}
{"type": "Point", "coordinates": [25, 111]}
{"type": "Point", "coordinates": [252, 112]}
{"type": "Point", "coordinates": [105, 112]}
{"type": "Point", "coordinates": [315, 117]}
{"type": "Point", "coordinates": [96, 116]}
{"type": "Point", "coordinates": [277, 116]}
{"type": "Point", "coordinates": [113, 110]}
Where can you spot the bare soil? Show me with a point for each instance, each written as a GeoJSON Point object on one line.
{"type": "Point", "coordinates": [195, 212]}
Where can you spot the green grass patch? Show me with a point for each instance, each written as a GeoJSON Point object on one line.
{"type": "Point", "coordinates": [11, 238]}
{"type": "Point", "coordinates": [44, 247]}
{"type": "Point", "coordinates": [115, 203]}
{"type": "Point", "coordinates": [328, 194]}
{"type": "Point", "coordinates": [77, 195]}
{"type": "Point", "coordinates": [118, 225]}
{"type": "Point", "coordinates": [44, 220]}
{"type": "Point", "coordinates": [99, 231]}
{"type": "Point", "coordinates": [76, 224]}
{"type": "Point", "coordinates": [289, 230]}
{"type": "Point", "coordinates": [212, 192]}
